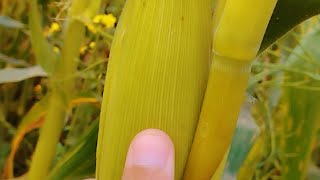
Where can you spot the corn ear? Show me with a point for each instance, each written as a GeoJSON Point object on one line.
{"type": "Point", "coordinates": [156, 78]}
{"type": "Point", "coordinates": [233, 52]}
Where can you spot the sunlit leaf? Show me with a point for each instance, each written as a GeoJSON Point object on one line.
{"type": "Point", "coordinates": [8, 22]}
{"type": "Point", "coordinates": [13, 61]}
{"type": "Point", "coordinates": [9, 75]}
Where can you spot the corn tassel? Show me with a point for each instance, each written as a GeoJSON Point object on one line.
{"type": "Point", "coordinates": [156, 78]}
{"type": "Point", "coordinates": [233, 52]}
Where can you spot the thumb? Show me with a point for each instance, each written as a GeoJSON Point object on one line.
{"type": "Point", "coordinates": [150, 156]}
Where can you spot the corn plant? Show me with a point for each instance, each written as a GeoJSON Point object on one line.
{"type": "Point", "coordinates": [49, 57]}
{"type": "Point", "coordinates": [166, 75]}
{"type": "Point", "coordinates": [62, 82]}
{"type": "Point", "coordinates": [173, 66]}
{"type": "Point", "coordinates": [147, 105]}
{"type": "Point", "coordinates": [227, 82]}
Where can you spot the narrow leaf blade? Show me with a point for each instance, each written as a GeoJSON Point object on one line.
{"type": "Point", "coordinates": [8, 22]}
{"type": "Point", "coordinates": [9, 75]}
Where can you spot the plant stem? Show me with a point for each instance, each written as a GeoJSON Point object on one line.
{"type": "Point", "coordinates": [49, 136]}
{"type": "Point", "coordinates": [62, 90]}
{"type": "Point", "coordinates": [238, 36]}
{"type": "Point", "coordinates": [40, 46]}
{"type": "Point", "coordinates": [226, 85]}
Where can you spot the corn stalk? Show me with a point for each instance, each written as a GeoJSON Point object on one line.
{"type": "Point", "coordinates": [156, 78]}
{"type": "Point", "coordinates": [61, 82]}
{"type": "Point", "coordinates": [233, 53]}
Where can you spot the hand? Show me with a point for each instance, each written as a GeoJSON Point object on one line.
{"type": "Point", "coordinates": [150, 157]}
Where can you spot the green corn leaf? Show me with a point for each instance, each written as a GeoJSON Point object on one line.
{"type": "Point", "coordinates": [32, 120]}
{"type": "Point", "coordinates": [246, 131]}
{"type": "Point", "coordinates": [43, 50]}
{"type": "Point", "coordinates": [287, 15]}
{"type": "Point", "coordinates": [61, 88]}
{"type": "Point", "coordinates": [79, 162]}
{"type": "Point", "coordinates": [302, 104]}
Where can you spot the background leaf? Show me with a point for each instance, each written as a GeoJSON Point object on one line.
{"type": "Point", "coordinates": [8, 22]}
{"type": "Point", "coordinates": [13, 61]}
{"type": "Point", "coordinates": [41, 47]}
{"type": "Point", "coordinates": [34, 120]}
{"type": "Point", "coordinates": [246, 131]}
{"type": "Point", "coordinates": [303, 101]}
{"type": "Point", "coordinates": [80, 161]}
{"type": "Point", "coordinates": [9, 75]}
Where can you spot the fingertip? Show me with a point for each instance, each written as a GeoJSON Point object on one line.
{"type": "Point", "coordinates": [150, 155]}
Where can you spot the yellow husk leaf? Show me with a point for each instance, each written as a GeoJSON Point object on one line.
{"type": "Point", "coordinates": [156, 78]}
